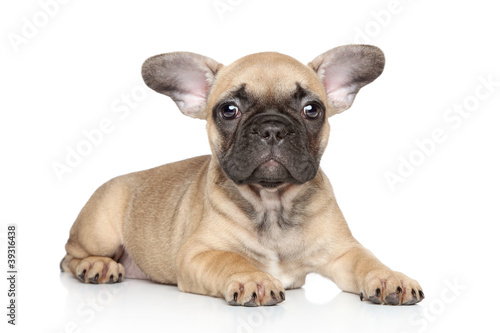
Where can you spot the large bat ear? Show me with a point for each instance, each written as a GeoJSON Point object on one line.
{"type": "Point", "coordinates": [346, 69]}
{"type": "Point", "coordinates": [183, 76]}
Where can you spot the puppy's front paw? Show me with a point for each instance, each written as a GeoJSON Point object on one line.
{"type": "Point", "coordinates": [99, 270]}
{"type": "Point", "coordinates": [389, 287]}
{"type": "Point", "coordinates": [254, 289]}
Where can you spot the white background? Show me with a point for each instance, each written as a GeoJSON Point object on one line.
{"type": "Point", "coordinates": [438, 226]}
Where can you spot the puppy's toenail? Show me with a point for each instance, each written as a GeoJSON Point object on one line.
{"type": "Point", "coordinates": [361, 296]}
{"type": "Point", "coordinates": [94, 279]}
{"type": "Point", "coordinates": [378, 292]}
{"type": "Point", "coordinates": [81, 277]}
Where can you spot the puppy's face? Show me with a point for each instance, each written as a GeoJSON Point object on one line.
{"type": "Point", "coordinates": [267, 120]}
{"type": "Point", "coordinates": [266, 113]}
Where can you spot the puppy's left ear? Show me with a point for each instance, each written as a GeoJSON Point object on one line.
{"type": "Point", "coordinates": [346, 69]}
{"type": "Point", "coordinates": [183, 76]}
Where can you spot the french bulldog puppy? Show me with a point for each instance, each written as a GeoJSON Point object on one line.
{"type": "Point", "coordinates": [256, 216]}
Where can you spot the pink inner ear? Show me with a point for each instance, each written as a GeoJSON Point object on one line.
{"type": "Point", "coordinates": [195, 83]}
{"type": "Point", "coordinates": [339, 87]}
{"type": "Point", "coordinates": [335, 78]}
{"type": "Point", "coordinates": [193, 93]}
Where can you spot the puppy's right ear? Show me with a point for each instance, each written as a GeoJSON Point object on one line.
{"type": "Point", "coordinates": [346, 69]}
{"type": "Point", "coordinates": [183, 76]}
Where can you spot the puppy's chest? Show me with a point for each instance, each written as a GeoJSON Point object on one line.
{"type": "Point", "coordinates": [285, 258]}
{"type": "Point", "coordinates": [274, 216]}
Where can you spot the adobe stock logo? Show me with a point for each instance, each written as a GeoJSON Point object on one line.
{"type": "Point", "coordinates": [433, 309]}
{"type": "Point", "coordinates": [32, 24]}
{"type": "Point", "coordinates": [90, 139]}
{"type": "Point", "coordinates": [224, 6]}
{"type": "Point", "coordinates": [453, 118]}
{"type": "Point", "coordinates": [380, 20]}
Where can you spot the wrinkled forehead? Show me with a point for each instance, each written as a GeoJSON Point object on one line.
{"type": "Point", "coordinates": [267, 76]}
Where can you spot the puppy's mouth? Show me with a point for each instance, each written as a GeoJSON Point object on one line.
{"type": "Point", "coordinates": [270, 174]}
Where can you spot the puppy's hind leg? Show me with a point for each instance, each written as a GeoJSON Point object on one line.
{"type": "Point", "coordinates": [96, 242]}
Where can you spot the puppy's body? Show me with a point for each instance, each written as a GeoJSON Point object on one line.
{"type": "Point", "coordinates": [258, 215]}
{"type": "Point", "coordinates": [145, 224]}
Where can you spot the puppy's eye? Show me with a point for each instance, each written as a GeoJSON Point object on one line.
{"type": "Point", "coordinates": [230, 112]}
{"type": "Point", "coordinates": [311, 111]}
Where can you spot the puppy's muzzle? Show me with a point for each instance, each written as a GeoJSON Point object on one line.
{"type": "Point", "coordinates": [270, 149]}
{"type": "Point", "coordinates": [272, 129]}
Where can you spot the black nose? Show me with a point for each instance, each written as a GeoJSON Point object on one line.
{"type": "Point", "coordinates": [272, 131]}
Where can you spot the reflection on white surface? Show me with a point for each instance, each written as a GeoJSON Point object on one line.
{"type": "Point", "coordinates": [143, 305]}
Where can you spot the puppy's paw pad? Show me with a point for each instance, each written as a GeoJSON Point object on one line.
{"type": "Point", "coordinates": [415, 297]}
{"type": "Point", "coordinates": [391, 288]}
{"type": "Point", "coordinates": [97, 270]}
{"type": "Point", "coordinates": [94, 279]}
{"type": "Point", "coordinates": [254, 289]}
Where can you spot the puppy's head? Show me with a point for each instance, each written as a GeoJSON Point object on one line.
{"type": "Point", "coordinates": [267, 114]}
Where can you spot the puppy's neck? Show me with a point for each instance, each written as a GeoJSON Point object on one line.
{"type": "Point", "coordinates": [273, 208]}
{"type": "Point", "coordinates": [269, 211]}
{"type": "Point", "coordinates": [267, 200]}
